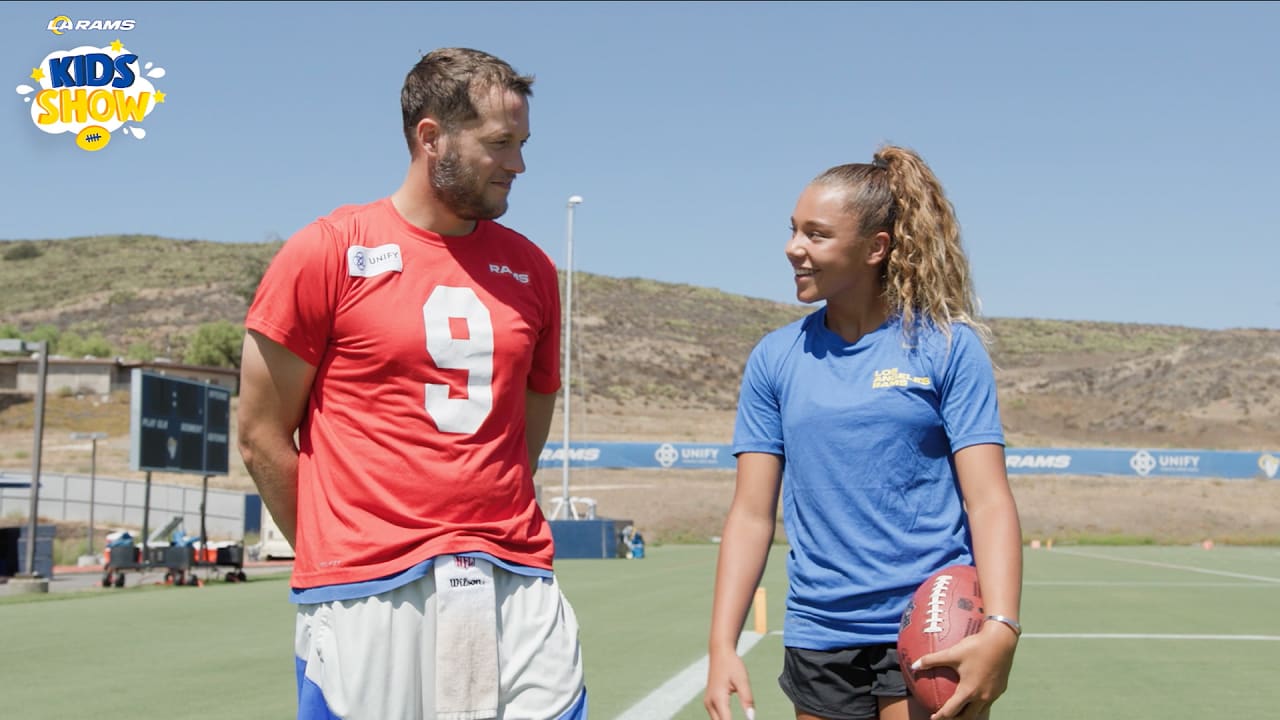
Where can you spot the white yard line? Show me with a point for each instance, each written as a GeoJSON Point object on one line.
{"type": "Point", "coordinates": [667, 700]}
{"type": "Point", "coordinates": [1172, 566]}
{"type": "Point", "coordinates": [664, 702]}
{"type": "Point", "coordinates": [629, 486]}
{"type": "Point", "coordinates": [1126, 583]}
{"type": "Point", "coordinates": [1145, 636]}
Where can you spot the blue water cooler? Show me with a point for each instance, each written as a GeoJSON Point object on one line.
{"type": "Point", "coordinates": [637, 546]}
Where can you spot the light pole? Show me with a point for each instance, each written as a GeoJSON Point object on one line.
{"type": "Point", "coordinates": [574, 201]}
{"type": "Point", "coordinates": [93, 437]}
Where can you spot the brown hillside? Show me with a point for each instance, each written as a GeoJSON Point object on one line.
{"type": "Point", "coordinates": [1204, 389]}
{"type": "Point", "coordinates": [644, 346]}
{"type": "Point", "coordinates": [659, 361]}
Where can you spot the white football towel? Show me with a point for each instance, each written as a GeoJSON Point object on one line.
{"type": "Point", "coordinates": [466, 639]}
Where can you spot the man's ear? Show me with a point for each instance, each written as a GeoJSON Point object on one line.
{"type": "Point", "coordinates": [878, 248]}
{"type": "Point", "coordinates": [429, 133]}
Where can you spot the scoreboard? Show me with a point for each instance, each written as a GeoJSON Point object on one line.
{"type": "Point", "coordinates": [178, 425]}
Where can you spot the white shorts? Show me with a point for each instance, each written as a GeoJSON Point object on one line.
{"type": "Point", "coordinates": [375, 658]}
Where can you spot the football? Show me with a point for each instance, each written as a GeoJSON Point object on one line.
{"type": "Point", "coordinates": [944, 610]}
{"type": "Point", "coordinates": [93, 138]}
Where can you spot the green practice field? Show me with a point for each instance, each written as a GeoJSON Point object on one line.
{"type": "Point", "coordinates": [1111, 632]}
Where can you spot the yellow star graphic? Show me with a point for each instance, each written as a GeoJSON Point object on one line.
{"type": "Point", "coordinates": [37, 74]}
{"type": "Point", "coordinates": [116, 46]}
{"type": "Point", "coordinates": [159, 97]}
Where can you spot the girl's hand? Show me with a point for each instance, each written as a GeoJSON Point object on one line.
{"type": "Point", "coordinates": [983, 662]}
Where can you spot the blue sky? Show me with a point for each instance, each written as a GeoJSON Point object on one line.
{"type": "Point", "coordinates": [1108, 161]}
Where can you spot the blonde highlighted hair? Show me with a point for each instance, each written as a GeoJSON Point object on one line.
{"type": "Point", "coordinates": [926, 276]}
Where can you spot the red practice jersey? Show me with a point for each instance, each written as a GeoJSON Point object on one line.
{"type": "Point", "coordinates": [413, 441]}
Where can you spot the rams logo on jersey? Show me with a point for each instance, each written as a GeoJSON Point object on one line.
{"type": "Point", "coordinates": [504, 270]}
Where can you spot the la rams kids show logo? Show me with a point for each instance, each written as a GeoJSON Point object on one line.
{"type": "Point", "coordinates": [93, 93]}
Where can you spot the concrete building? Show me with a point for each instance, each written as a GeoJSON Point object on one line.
{"type": "Point", "coordinates": [101, 376]}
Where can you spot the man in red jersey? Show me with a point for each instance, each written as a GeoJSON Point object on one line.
{"type": "Point", "coordinates": [413, 346]}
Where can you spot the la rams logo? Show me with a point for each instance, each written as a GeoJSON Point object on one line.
{"type": "Point", "coordinates": [1269, 464]}
{"type": "Point", "coordinates": [63, 24]}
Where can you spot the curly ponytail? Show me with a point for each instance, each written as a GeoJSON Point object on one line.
{"type": "Point", "coordinates": [926, 276]}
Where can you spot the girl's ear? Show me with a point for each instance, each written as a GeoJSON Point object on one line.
{"type": "Point", "coordinates": [878, 248]}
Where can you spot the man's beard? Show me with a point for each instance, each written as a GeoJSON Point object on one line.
{"type": "Point", "coordinates": [456, 186]}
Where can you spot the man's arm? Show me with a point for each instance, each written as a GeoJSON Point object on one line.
{"type": "Point", "coordinates": [274, 387]}
{"type": "Point", "coordinates": [538, 408]}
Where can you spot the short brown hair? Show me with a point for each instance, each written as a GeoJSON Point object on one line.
{"type": "Point", "coordinates": [443, 86]}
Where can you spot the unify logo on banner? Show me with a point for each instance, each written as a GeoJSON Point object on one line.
{"type": "Point", "coordinates": [668, 455]}
{"type": "Point", "coordinates": [1144, 463]}
{"type": "Point", "coordinates": [91, 92]}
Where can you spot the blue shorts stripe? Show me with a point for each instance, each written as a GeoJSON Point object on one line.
{"type": "Point", "coordinates": [311, 704]}
{"type": "Point", "coordinates": [579, 709]}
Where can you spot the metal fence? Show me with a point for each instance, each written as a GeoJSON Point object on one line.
{"type": "Point", "coordinates": [120, 502]}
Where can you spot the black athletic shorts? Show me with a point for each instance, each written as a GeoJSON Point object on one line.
{"type": "Point", "coordinates": [842, 684]}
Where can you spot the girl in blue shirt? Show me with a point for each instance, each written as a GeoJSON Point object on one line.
{"type": "Point", "coordinates": [875, 419]}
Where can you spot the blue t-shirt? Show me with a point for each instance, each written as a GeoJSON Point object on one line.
{"type": "Point", "coordinates": [870, 499]}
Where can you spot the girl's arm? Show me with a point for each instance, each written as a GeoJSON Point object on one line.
{"type": "Point", "coordinates": [744, 550]}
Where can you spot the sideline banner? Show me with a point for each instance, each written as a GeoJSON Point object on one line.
{"type": "Point", "coordinates": [680, 456]}
{"type": "Point", "coordinates": [1144, 463]}
{"type": "Point", "coordinates": [1019, 461]}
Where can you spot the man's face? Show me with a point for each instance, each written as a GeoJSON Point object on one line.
{"type": "Point", "coordinates": [478, 161]}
